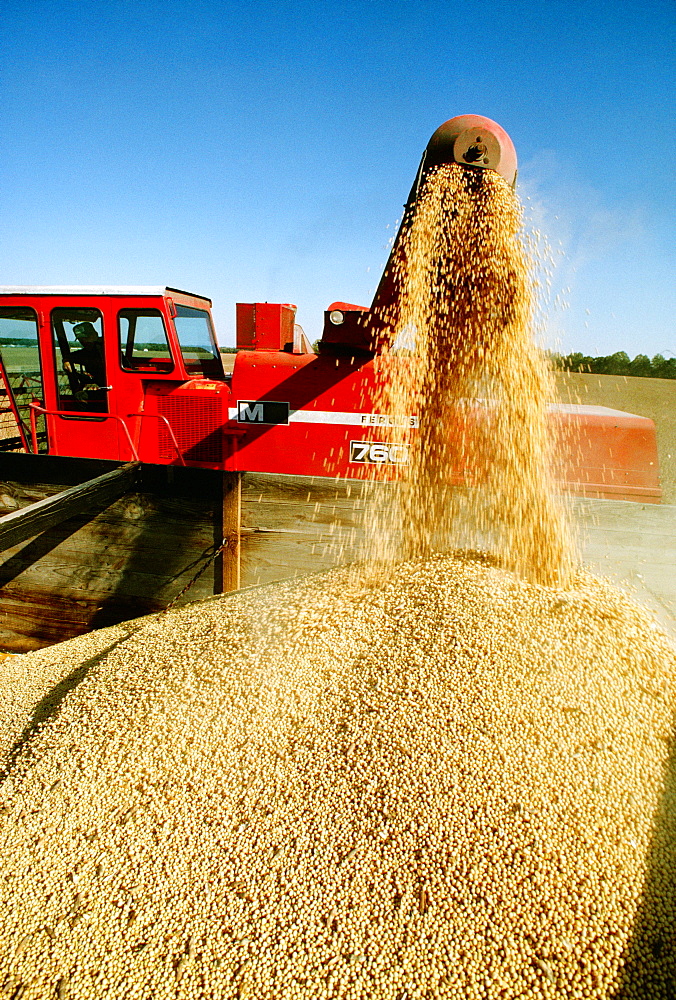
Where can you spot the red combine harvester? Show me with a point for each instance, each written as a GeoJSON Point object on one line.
{"type": "Point", "coordinates": [135, 374]}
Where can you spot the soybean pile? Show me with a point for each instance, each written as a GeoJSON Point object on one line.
{"type": "Point", "coordinates": [449, 784]}
{"type": "Point", "coordinates": [466, 278]}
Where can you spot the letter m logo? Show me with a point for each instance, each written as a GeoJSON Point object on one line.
{"type": "Point", "coordinates": [264, 411]}
{"type": "Point", "coordinates": [249, 412]}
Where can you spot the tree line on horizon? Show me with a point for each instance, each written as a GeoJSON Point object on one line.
{"type": "Point", "coordinates": [615, 364]}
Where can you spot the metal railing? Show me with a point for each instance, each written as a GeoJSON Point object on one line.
{"type": "Point", "coordinates": [75, 415]}
{"type": "Point", "coordinates": [160, 416]}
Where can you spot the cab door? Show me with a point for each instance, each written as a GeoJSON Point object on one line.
{"type": "Point", "coordinates": [143, 356]}
{"type": "Point", "coordinates": [82, 426]}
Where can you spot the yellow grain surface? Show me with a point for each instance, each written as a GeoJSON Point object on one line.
{"type": "Point", "coordinates": [455, 785]}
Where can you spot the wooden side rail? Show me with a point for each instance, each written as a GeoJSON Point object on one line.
{"type": "Point", "coordinates": [94, 494]}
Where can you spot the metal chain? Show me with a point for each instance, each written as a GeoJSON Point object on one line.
{"type": "Point", "coordinates": [226, 543]}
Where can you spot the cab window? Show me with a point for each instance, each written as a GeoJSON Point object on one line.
{"type": "Point", "coordinates": [144, 346]}
{"type": "Point", "coordinates": [21, 358]}
{"type": "Point", "coordinates": [198, 343]}
{"type": "Point", "coordinates": [80, 361]}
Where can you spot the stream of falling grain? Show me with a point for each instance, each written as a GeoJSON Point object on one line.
{"type": "Point", "coordinates": [476, 380]}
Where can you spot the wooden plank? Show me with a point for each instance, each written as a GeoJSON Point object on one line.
{"type": "Point", "coordinates": [227, 523]}
{"type": "Point", "coordinates": [295, 525]}
{"type": "Point", "coordinates": [139, 534]}
{"type": "Point", "coordinates": [38, 517]}
{"type": "Point", "coordinates": [54, 469]}
{"type": "Point", "coordinates": [131, 559]}
{"type": "Point", "coordinates": [307, 489]}
{"type": "Point", "coordinates": [137, 555]}
{"type": "Point", "coordinates": [658, 519]}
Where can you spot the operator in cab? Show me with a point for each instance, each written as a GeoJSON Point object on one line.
{"type": "Point", "coordinates": [88, 363]}
{"type": "Point", "coordinates": [90, 356]}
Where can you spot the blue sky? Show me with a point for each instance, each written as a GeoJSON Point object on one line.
{"type": "Point", "coordinates": [262, 150]}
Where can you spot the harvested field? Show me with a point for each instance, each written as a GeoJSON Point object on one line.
{"type": "Point", "coordinates": [451, 786]}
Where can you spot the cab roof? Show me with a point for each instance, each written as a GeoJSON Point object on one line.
{"type": "Point", "coordinates": [97, 290]}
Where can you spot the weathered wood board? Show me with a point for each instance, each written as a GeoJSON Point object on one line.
{"type": "Point", "coordinates": [634, 545]}
{"type": "Point", "coordinates": [35, 518]}
{"type": "Point", "coordinates": [134, 556]}
{"type": "Point", "coordinates": [125, 560]}
{"type": "Point", "coordinates": [295, 525]}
